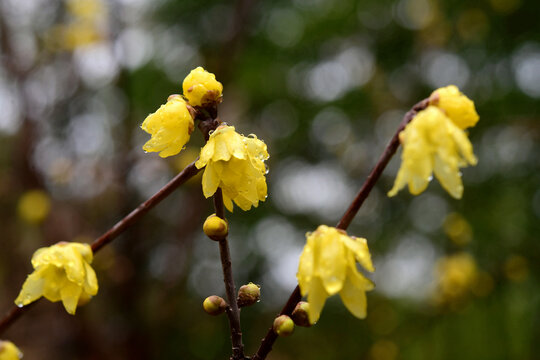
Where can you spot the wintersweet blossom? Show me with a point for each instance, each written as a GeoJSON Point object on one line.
{"type": "Point", "coordinates": [455, 276]}
{"type": "Point", "coordinates": [235, 164]}
{"type": "Point", "coordinates": [8, 351]}
{"type": "Point", "coordinates": [61, 272]}
{"type": "Point", "coordinates": [328, 266]}
{"type": "Point", "coordinates": [201, 88]}
{"type": "Point", "coordinates": [433, 144]}
{"type": "Point", "coordinates": [170, 126]}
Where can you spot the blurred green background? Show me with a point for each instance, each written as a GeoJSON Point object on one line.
{"type": "Point", "coordinates": [325, 84]}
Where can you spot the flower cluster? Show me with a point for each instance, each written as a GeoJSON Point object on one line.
{"type": "Point", "coordinates": [172, 124]}
{"type": "Point", "coordinates": [434, 142]}
{"type": "Point", "coordinates": [328, 266]}
{"type": "Point", "coordinates": [235, 164]}
{"type": "Point", "coordinates": [61, 272]}
{"type": "Point", "coordinates": [232, 162]}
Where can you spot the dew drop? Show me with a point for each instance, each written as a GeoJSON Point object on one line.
{"type": "Point", "coordinates": [20, 305]}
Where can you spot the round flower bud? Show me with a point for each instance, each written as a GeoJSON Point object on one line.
{"type": "Point", "coordinates": [215, 227]}
{"type": "Point", "coordinates": [283, 325]}
{"type": "Point", "coordinates": [248, 294]}
{"type": "Point", "coordinates": [300, 314]}
{"type": "Point", "coordinates": [8, 351]}
{"type": "Point", "coordinates": [201, 88]}
{"type": "Point", "coordinates": [214, 305]}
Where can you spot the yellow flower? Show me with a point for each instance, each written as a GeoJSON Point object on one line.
{"type": "Point", "coordinates": [328, 266]}
{"type": "Point", "coordinates": [201, 87]}
{"type": "Point", "coordinates": [8, 351]}
{"type": "Point", "coordinates": [34, 206]}
{"type": "Point", "coordinates": [88, 10]}
{"type": "Point", "coordinates": [459, 108]}
{"type": "Point", "coordinates": [432, 143]}
{"type": "Point", "coordinates": [455, 275]}
{"type": "Point", "coordinates": [170, 127]}
{"type": "Point", "coordinates": [234, 163]}
{"type": "Point", "coordinates": [61, 272]}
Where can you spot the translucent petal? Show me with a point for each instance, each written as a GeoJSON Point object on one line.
{"type": "Point", "coordinates": [330, 261]}
{"type": "Point", "coordinates": [354, 299]}
{"type": "Point", "coordinates": [305, 268]}
{"type": "Point", "coordinates": [70, 294]}
{"type": "Point", "coordinates": [91, 284]}
{"type": "Point", "coordinates": [207, 152]}
{"type": "Point", "coordinates": [55, 279]}
{"type": "Point", "coordinates": [449, 177]}
{"type": "Point", "coordinates": [74, 265]}
{"type": "Point", "coordinates": [32, 288]}
{"type": "Point", "coordinates": [360, 250]}
{"type": "Point", "coordinates": [316, 298]}
{"type": "Point", "coordinates": [221, 150]}
{"type": "Point", "coordinates": [210, 180]}
{"type": "Point", "coordinates": [356, 277]}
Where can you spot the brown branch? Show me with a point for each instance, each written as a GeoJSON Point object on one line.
{"type": "Point", "coordinates": [233, 312]}
{"type": "Point", "coordinates": [389, 151]}
{"type": "Point", "coordinates": [186, 174]}
{"type": "Point", "coordinates": [13, 315]}
{"type": "Point", "coordinates": [271, 336]}
{"type": "Point", "coordinates": [376, 173]}
{"type": "Point", "coordinates": [190, 171]}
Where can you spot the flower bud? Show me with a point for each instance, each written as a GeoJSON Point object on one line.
{"type": "Point", "coordinates": [201, 88]}
{"type": "Point", "coordinates": [215, 227]}
{"type": "Point", "coordinates": [300, 314]}
{"type": "Point", "coordinates": [214, 305]}
{"type": "Point", "coordinates": [248, 294]}
{"type": "Point", "coordinates": [8, 351]}
{"type": "Point", "coordinates": [283, 325]}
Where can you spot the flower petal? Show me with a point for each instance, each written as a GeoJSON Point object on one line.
{"type": "Point", "coordinates": [354, 299]}
{"type": "Point", "coordinates": [316, 298]}
{"type": "Point", "coordinates": [70, 294]}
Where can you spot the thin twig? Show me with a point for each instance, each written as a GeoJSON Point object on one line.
{"type": "Point", "coordinates": [233, 312]}
{"type": "Point", "coordinates": [190, 171]}
{"type": "Point", "coordinates": [186, 174]}
{"type": "Point", "coordinates": [13, 315]}
{"type": "Point", "coordinates": [375, 174]}
{"type": "Point", "coordinates": [389, 151]}
{"type": "Point", "coordinates": [271, 336]}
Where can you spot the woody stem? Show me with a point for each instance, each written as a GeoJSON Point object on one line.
{"type": "Point", "coordinates": [233, 312]}
{"type": "Point", "coordinates": [15, 312]}
{"type": "Point", "coordinates": [369, 183]}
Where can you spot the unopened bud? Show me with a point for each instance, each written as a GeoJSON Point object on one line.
{"type": "Point", "coordinates": [214, 305]}
{"type": "Point", "coordinates": [300, 314]}
{"type": "Point", "coordinates": [215, 227]}
{"type": "Point", "coordinates": [8, 350]}
{"type": "Point", "coordinates": [283, 325]}
{"type": "Point", "coordinates": [248, 294]}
